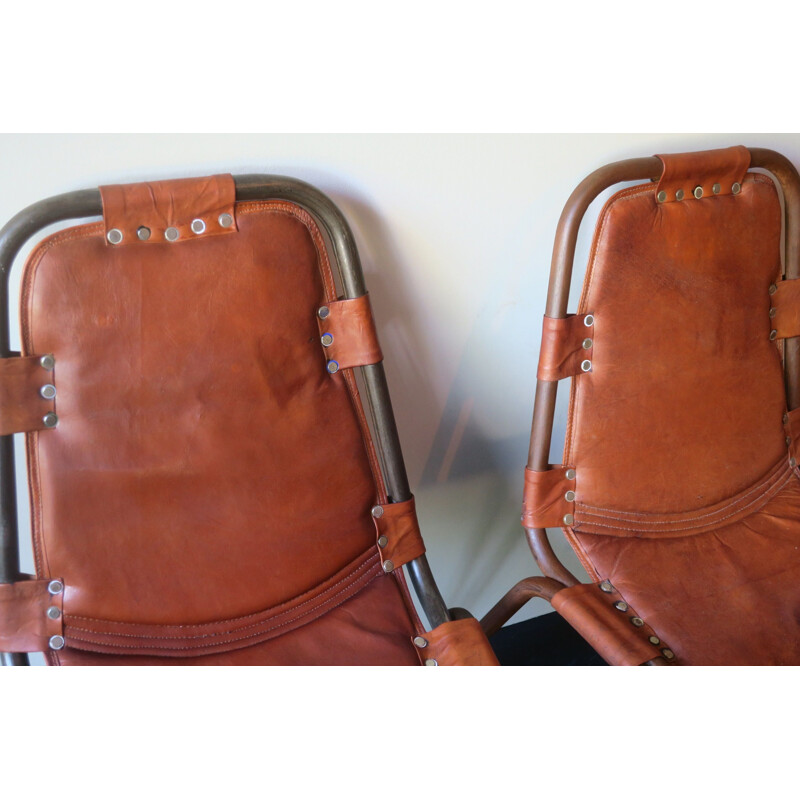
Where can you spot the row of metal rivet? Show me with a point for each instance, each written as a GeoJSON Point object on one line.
{"type": "Point", "coordinates": [698, 192]}
{"type": "Point", "coordinates": [198, 226]}
{"type": "Point", "coordinates": [327, 340]}
{"type": "Point", "coordinates": [48, 391]}
{"type": "Point", "coordinates": [54, 612]}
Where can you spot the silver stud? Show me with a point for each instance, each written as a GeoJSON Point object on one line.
{"type": "Point", "coordinates": [605, 586]}
{"type": "Point", "coordinates": [785, 418]}
{"type": "Point", "coordinates": [57, 642]}
{"type": "Point", "coordinates": [198, 226]}
{"type": "Point", "coordinates": [661, 196]}
{"type": "Point", "coordinates": [772, 288]}
{"type": "Point", "coordinates": [333, 366]}
{"type": "Point", "coordinates": [570, 474]}
{"type": "Point", "coordinates": [431, 662]}
{"type": "Point", "coordinates": [327, 339]}
{"type": "Point", "coordinates": [48, 391]}
{"type": "Point", "coordinates": [382, 542]}
{"type": "Point", "coordinates": [588, 320]}
{"type": "Point", "coordinates": [50, 420]}
{"type": "Point", "coordinates": [788, 440]}
{"type": "Point", "coordinates": [225, 220]}
{"type": "Point", "coordinates": [668, 653]}
{"type": "Point", "coordinates": [586, 366]}
{"type": "Point", "coordinates": [55, 587]}
{"type": "Point", "coordinates": [679, 194]}
{"type": "Point", "coordinates": [716, 188]}
{"type": "Point", "coordinates": [388, 566]}
{"type": "Point", "coordinates": [655, 639]}
{"type": "Point", "coordinates": [172, 234]}
{"type": "Point", "coordinates": [772, 313]}
{"type": "Point", "coordinates": [621, 605]}
{"type": "Point", "coordinates": [587, 343]}
{"type": "Point", "coordinates": [793, 462]}
{"type": "Point", "coordinates": [736, 188]}
{"type": "Point", "coordinates": [324, 312]}
{"type": "Point", "coordinates": [114, 236]}
{"type": "Point", "coordinates": [377, 511]}
{"type": "Point", "coordinates": [47, 362]}
{"type": "Point", "coordinates": [569, 496]}
{"type": "Point", "coordinates": [54, 612]}
{"type": "Point", "coordinates": [420, 642]}
{"type": "Point", "coordinates": [773, 335]}
{"type": "Point", "coordinates": [698, 192]}
{"type": "Point", "coordinates": [143, 232]}
{"type": "Point", "coordinates": [637, 622]}
{"type": "Point", "coordinates": [568, 519]}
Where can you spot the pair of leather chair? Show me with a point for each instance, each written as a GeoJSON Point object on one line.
{"type": "Point", "coordinates": [206, 487]}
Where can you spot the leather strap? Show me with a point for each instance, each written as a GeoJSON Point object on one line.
{"type": "Point", "coordinates": [566, 344]}
{"type": "Point", "coordinates": [142, 213]}
{"type": "Point", "coordinates": [785, 309]}
{"type": "Point", "coordinates": [459, 643]}
{"type": "Point", "coordinates": [25, 624]}
{"type": "Point", "coordinates": [348, 333]}
{"type": "Point", "coordinates": [715, 172]}
{"type": "Point", "coordinates": [397, 534]}
{"type": "Point", "coordinates": [544, 499]}
{"type": "Point", "coordinates": [22, 406]}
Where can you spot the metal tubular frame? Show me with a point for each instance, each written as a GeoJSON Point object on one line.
{"type": "Point", "coordinates": [87, 203]}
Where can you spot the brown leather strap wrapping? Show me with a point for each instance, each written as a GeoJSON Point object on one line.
{"type": "Point", "coordinates": [25, 626]}
{"type": "Point", "coordinates": [351, 328]}
{"type": "Point", "coordinates": [176, 204]}
{"type": "Point", "coordinates": [714, 171]}
{"type": "Point", "coordinates": [791, 425]}
{"type": "Point", "coordinates": [398, 535]}
{"type": "Point", "coordinates": [544, 500]}
{"type": "Point", "coordinates": [608, 630]}
{"type": "Point", "coordinates": [459, 643]}
{"type": "Point", "coordinates": [566, 344]}
{"type": "Point", "coordinates": [22, 407]}
{"type": "Point", "coordinates": [785, 309]}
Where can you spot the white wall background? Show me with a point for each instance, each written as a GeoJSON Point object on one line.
{"type": "Point", "coordinates": [455, 234]}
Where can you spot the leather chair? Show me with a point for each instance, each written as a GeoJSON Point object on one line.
{"type": "Point", "coordinates": [679, 488]}
{"type": "Point", "coordinates": [204, 486]}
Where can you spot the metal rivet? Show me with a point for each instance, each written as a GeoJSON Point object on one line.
{"type": "Point", "coordinates": [114, 236]}
{"type": "Point", "coordinates": [668, 653]}
{"type": "Point", "coordinates": [570, 474]}
{"type": "Point", "coordinates": [773, 335]}
{"type": "Point", "coordinates": [568, 519]}
{"type": "Point", "coordinates": [605, 586]}
{"type": "Point", "coordinates": [377, 511]}
{"type": "Point", "coordinates": [143, 233]}
{"type": "Point", "coordinates": [324, 312]}
{"type": "Point", "coordinates": [431, 662]}
{"type": "Point", "coordinates": [736, 188]}
{"type": "Point", "coordinates": [655, 639]}
{"type": "Point", "coordinates": [621, 605]}
{"type": "Point", "coordinates": [637, 622]}
{"type": "Point", "coordinates": [679, 194]}
{"type": "Point", "coordinates": [586, 366]}
{"type": "Point", "coordinates": [55, 587]}
{"type": "Point", "coordinates": [327, 339]}
{"type": "Point", "coordinates": [716, 188]}
{"type": "Point", "coordinates": [382, 542]}
{"type": "Point", "coordinates": [225, 220]}
{"type": "Point", "coordinates": [788, 440]}
{"type": "Point", "coordinates": [198, 226]}
{"type": "Point", "coordinates": [50, 420]}
{"type": "Point", "coordinates": [698, 192]}
{"type": "Point", "coordinates": [588, 320]}
{"type": "Point", "coordinates": [661, 196]}
{"type": "Point", "coordinates": [587, 343]}
{"type": "Point", "coordinates": [57, 642]}
{"type": "Point", "coordinates": [772, 313]}
{"type": "Point", "coordinates": [388, 566]}
{"type": "Point", "coordinates": [48, 391]}
{"type": "Point", "coordinates": [171, 234]}
{"type": "Point", "coordinates": [785, 418]}
{"type": "Point", "coordinates": [47, 362]}
{"type": "Point", "coordinates": [792, 462]}
{"type": "Point", "coordinates": [569, 496]}
{"type": "Point", "coordinates": [773, 288]}
{"type": "Point", "coordinates": [333, 367]}
{"type": "Point", "coordinates": [420, 642]}
{"type": "Point", "coordinates": [54, 612]}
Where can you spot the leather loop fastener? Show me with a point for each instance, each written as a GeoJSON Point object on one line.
{"type": "Point", "coordinates": [566, 344]}
{"type": "Point", "coordinates": [397, 534]}
{"type": "Point", "coordinates": [544, 498]}
{"type": "Point", "coordinates": [459, 643]}
{"type": "Point", "coordinates": [791, 426]}
{"type": "Point", "coordinates": [786, 302]}
{"type": "Point", "coordinates": [715, 172]}
{"type": "Point", "coordinates": [26, 619]}
{"type": "Point", "coordinates": [22, 405]}
{"type": "Point", "coordinates": [348, 333]}
{"type": "Point", "coordinates": [169, 212]}
{"type": "Point", "coordinates": [608, 630]}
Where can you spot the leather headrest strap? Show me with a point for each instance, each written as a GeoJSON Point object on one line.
{"type": "Point", "coordinates": [703, 175]}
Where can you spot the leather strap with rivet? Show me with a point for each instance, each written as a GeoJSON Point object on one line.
{"type": "Point", "coordinates": [567, 346]}
{"type": "Point", "coordinates": [27, 394]}
{"type": "Point", "coordinates": [32, 616]}
{"type": "Point", "coordinates": [397, 534]}
{"type": "Point", "coordinates": [548, 499]}
{"type": "Point", "coordinates": [784, 312]}
{"type": "Point", "coordinates": [458, 643]}
{"type": "Point", "coordinates": [702, 176]}
{"type": "Point", "coordinates": [347, 334]}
